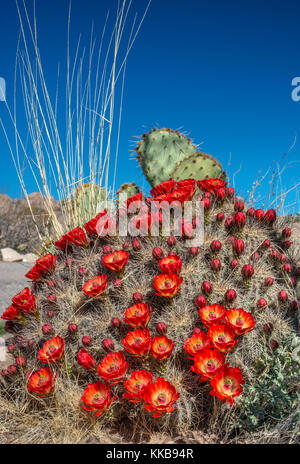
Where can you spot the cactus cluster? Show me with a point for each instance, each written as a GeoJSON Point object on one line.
{"type": "Point", "coordinates": [83, 310]}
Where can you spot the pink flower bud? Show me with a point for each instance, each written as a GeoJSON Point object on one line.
{"type": "Point", "coordinates": [268, 327]}
{"type": "Point", "coordinates": [255, 256]}
{"type": "Point", "coordinates": [230, 295]}
{"type": "Point", "coordinates": [52, 283]}
{"type": "Point", "coordinates": [118, 283]}
{"type": "Point", "coordinates": [136, 244]}
{"type": "Point", "coordinates": [251, 212]}
{"type": "Point", "coordinates": [69, 261]}
{"type": "Point", "coordinates": [12, 370]}
{"type": "Point", "coordinates": [261, 303]}
{"type": "Point", "coordinates": [72, 328]}
{"type": "Point", "coordinates": [200, 301]}
{"type": "Point", "coordinates": [126, 245]}
{"type": "Point", "coordinates": [50, 313]}
{"type": "Point", "coordinates": [171, 241]}
{"type": "Point", "coordinates": [11, 348]}
{"type": "Point", "coordinates": [230, 239]}
{"type": "Point", "coordinates": [30, 343]}
{"type": "Point", "coordinates": [230, 192]}
{"type": "Point", "coordinates": [228, 222]}
{"type": "Point", "coordinates": [238, 205]}
{"type": "Point", "coordinates": [206, 203]}
{"type": "Point", "coordinates": [107, 344]}
{"type": "Point", "coordinates": [270, 216]}
{"type": "Point", "coordinates": [106, 249]}
{"type": "Point", "coordinates": [206, 195]}
{"type": "Point", "coordinates": [194, 251]}
{"type": "Point", "coordinates": [259, 214]}
{"type": "Point", "coordinates": [269, 281]}
{"type": "Point", "coordinates": [157, 253]}
{"type": "Point", "coordinates": [82, 271]}
{"type": "Point", "coordinates": [238, 246]}
{"type": "Point", "coordinates": [220, 194]}
{"type": "Point", "coordinates": [21, 361]}
{"type": "Point", "coordinates": [234, 264]}
{"type": "Point", "coordinates": [266, 243]}
{"type": "Point", "coordinates": [220, 217]}
{"type": "Point", "coordinates": [215, 264]}
{"type": "Point", "coordinates": [282, 258]}
{"type": "Point", "coordinates": [47, 329]}
{"type": "Point", "coordinates": [86, 340]}
{"type": "Point", "coordinates": [51, 298]}
{"type": "Point", "coordinates": [282, 296]}
{"type": "Point", "coordinates": [286, 233]}
{"type": "Point", "coordinates": [196, 330]}
{"type": "Point", "coordinates": [4, 373]}
{"type": "Point", "coordinates": [115, 322]}
{"type": "Point", "coordinates": [215, 246]}
{"type": "Point", "coordinates": [137, 297]}
{"type": "Point", "coordinates": [247, 270]}
{"type": "Point", "coordinates": [206, 287]}
{"type": "Point", "coordinates": [287, 268]}
{"type": "Point", "coordinates": [161, 328]}
{"type": "Point", "coordinates": [239, 220]}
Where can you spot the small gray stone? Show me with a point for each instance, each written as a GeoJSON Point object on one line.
{"type": "Point", "coordinates": [29, 258]}
{"type": "Point", "coordinates": [10, 256]}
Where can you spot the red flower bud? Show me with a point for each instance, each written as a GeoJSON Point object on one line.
{"type": "Point", "coordinates": [107, 344]}
{"type": "Point", "coordinates": [269, 281]}
{"type": "Point", "coordinates": [220, 194]}
{"type": "Point", "coordinates": [136, 244]}
{"type": "Point", "coordinates": [259, 214]}
{"type": "Point", "coordinates": [255, 256]}
{"type": "Point", "coordinates": [228, 222]}
{"type": "Point", "coordinates": [51, 298]}
{"type": "Point", "coordinates": [126, 245]}
{"type": "Point", "coordinates": [274, 344]}
{"type": "Point", "coordinates": [215, 246]}
{"type": "Point", "coordinates": [215, 264]}
{"type": "Point", "coordinates": [11, 348]}
{"type": "Point", "coordinates": [261, 303]}
{"type": "Point", "coordinates": [294, 305]}
{"type": "Point", "coordinates": [230, 192]}
{"type": "Point", "coordinates": [171, 241]}
{"type": "Point", "coordinates": [220, 217]}
{"type": "Point", "coordinates": [273, 254]}
{"type": "Point", "coordinates": [30, 343]}
{"type": "Point", "coordinates": [115, 322]}
{"type": "Point", "coordinates": [293, 282]}
{"type": "Point", "coordinates": [286, 233]}
{"type": "Point", "coordinates": [282, 258]}
{"type": "Point", "coordinates": [196, 222]}
{"type": "Point", "coordinates": [286, 245]}
{"type": "Point", "coordinates": [266, 243]}
{"type": "Point", "coordinates": [206, 203]}
{"type": "Point", "coordinates": [161, 328]}
{"type": "Point", "coordinates": [234, 264]}
{"type": "Point", "coordinates": [118, 283]}
{"type": "Point", "coordinates": [238, 205]}
{"type": "Point", "coordinates": [287, 268]}
{"type": "Point", "coordinates": [69, 261]}
{"type": "Point", "coordinates": [137, 297]}
{"type": "Point", "coordinates": [230, 295]}
{"type": "Point", "coordinates": [282, 296]}
{"type": "Point", "coordinates": [82, 271]}
{"type": "Point", "coordinates": [247, 270]}
{"type": "Point", "coordinates": [86, 340]}
{"type": "Point", "coordinates": [106, 249]}
{"type": "Point", "coordinates": [238, 246]}
{"type": "Point", "coordinates": [157, 253]}
{"type": "Point", "coordinates": [268, 327]}
{"type": "Point", "coordinates": [50, 313]}
{"type": "Point", "coordinates": [250, 212]}
{"type": "Point", "coordinates": [206, 195]}
{"type": "Point", "coordinates": [196, 331]}
{"type": "Point", "coordinates": [52, 283]}
{"type": "Point", "coordinates": [206, 287]}
{"type": "Point", "coordinates": [4, 373]}
{"type": "Point", "coordinates": [21, 361]}
{"type": "Point", "coordinates": [194, 251]}
{"type": "Point", "coordinates": [239, 220]}
{"type": "Point", "coordinates": [72, 328]}
{"type": "Point", "coordinates": [270, 216]}
{"type": "Point", "coordinates": [47, 329]}
{"type": "Point", "coordinates": [12, 370]}
{"type": "Point", "coordinates": [200, 301]}
{"type": "Point", "coordinates": [297, 271]}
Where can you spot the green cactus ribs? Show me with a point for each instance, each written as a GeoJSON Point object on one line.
{"type": "Point", "coordinates": [165, 153]}
{"type": "Point", "coordinates": [129, 188]}
{"type": "Point", "coordinates": [87, 201]}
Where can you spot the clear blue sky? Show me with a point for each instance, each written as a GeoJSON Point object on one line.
{"type": "Point", "coordinates": [221, 70]}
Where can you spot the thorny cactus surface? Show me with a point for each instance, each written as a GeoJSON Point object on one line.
{"type": "Point", "coordinates": [78, 341]}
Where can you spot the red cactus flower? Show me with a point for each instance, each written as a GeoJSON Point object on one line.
{"type": "Point", "coordinates": [212, 314]}
{"type": "Point", "coordinates": [134, 202]}
{"type": "Point", "coordinates": [86, 360]}
{"type": "Point", "coordinates": [138, 342]}
{"type": "Point", "coordinates": [137, 385]}
{"type": "Point", "coordinates": [207, 363]}
{"type": "Point", "coordinates": [138, 315]}
{"type": "Point", "coordinates": [206, 287]}
{"type": "Point", "coordinates": [167, 285]}
{"type": "Point", "coordinates": [160, 397]}
{"type": "Point", "coordinates": [52, 351]}
{"type": "Point", "coordinates": [211, 185]}
{"type": "Point", "coordinates": [74, 237]}
{"type": "Point", "coordinates": [34, 274]}
{"type": "Point", "coordinates": [90, 226]}
{"type": "Point", "coordinates": [95, 286]}
{"type": "Point", "coordinates": [238, 246]}
{"type": "Point", "coordinates": [161, 347]}
{"type": "Point", "coordinates": [240, 321]}
{"type": "Point", "coordinates": [247, 270]}
{"type": "Point", "coordinates": [46, 264]}
{"type": "Point", "coordinates": [215, 246]}
{"type": "Point", "coordinates": [170, 264]}
{"type": "Point", "coordinates": [41, 382]}
{"type": "Point", "coordinates": [222, 337]}
{"type": "Point", "coordinates": [259, 214]}
{"type": "Point", "coordinates": [116, 261]}
{"type": "Point", "coordinates": [25, 301]}
{"type": "Point", "coordinates": [96, 398]}
{"type": "Point", "coordinates": [113, 367]}
{"type": "Point", "coordinates": [163, 188]}
{"type": "Point", "coordinates": [197, 342]}
{"type": "Point", "coordinates": [227, 384]}
{"type": "Point", "coordinates": [239, 220]}
{"type": "Point", "coordinates": [270, 216]}
{"type": "Point", "coordinates": [230, 295]}
{"type": "Point", "coordinates": [12, 314]}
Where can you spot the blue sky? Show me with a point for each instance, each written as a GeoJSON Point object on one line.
{"type": "Point", "coordinates": [220, 70]}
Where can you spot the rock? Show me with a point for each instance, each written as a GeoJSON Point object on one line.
{"type": "Point", "coordinates": [29, 258]}
{"type": "Point", "coordinates": [10, 256]}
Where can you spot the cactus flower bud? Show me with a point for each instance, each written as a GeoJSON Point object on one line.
{"type": "Point", "coordinates": [11, 348]}
{"type": "Point", "coordinates": [230, 192]}
{"type": "Point", "coordinates": [82, 271]}
{"type": "Point", "coordinates": [230, 295]}
{"type": "Point", "coordinates": [137, 297]}
{"type": "Point", "coordinates": [220, 217]}
{"type": "Point", "coordinates": [106, 249]}
{"type": "Point", "coordinates": [206, 203]}
{"type": "Point", "coordinates": [51, 298]}
{"type": "Point", "coordinates": [266, 243]}
{"type": "Point", "coordinates": [126, 245]}
{"type": "Point", "coordinates": [268, 327]}
{"type": "Point", "coordinates": [274, 344]}
{"type": "Point", "coordinates": [269, 281]}
{"type": "Point", "coordinates": [287, 268]}
{"type": "Point", "coordinates": [239, 220]}
{"type": "Point", "coordinates": [115, 322]}
{"type": "Point", "coordinates": [196, 331]}
{"type": "Point", "coordinates": [251, 212]}
{"type": "Point", "coordinates": [21, 361]}
{"type": "Point", "coordinates": [30, 343]}
{"type": "Point", "coordinates": [238, 246]}
{"type": "Point", "coordinates": [12, 370]}
{"type": "Point", "coordinates": [171, 241]}
{"type": "Point", "coordinates": [270, 216]}
{"type": "Point", "coordinates": [72, 328]}
{"type": "Point", "coordinates": [107, 344]}
{"type": "Point", "coordinates": [228, 222]}
{"type": "Point", "coordinates": [86, 340]}
{"type": "Point", "coordinates": [161, 328]}
{"type": "Point", "coordinates": [259, 214]}
{"type": "Point", "coordinates": [215, 246]}
{"type": "Point", "coordinates": [261, 303]}
{"type": "Point", "coordinates": [238, 205]}
{"type": "Point", "coordinates": [136, 244]}
{"type": "Point", "coordinates": [47, 329]}
{"type": "Point", "coordinates": [118, 283]}
{"type": "Point", "coordinates": [282, 296]}
{"type": "Point", "coordinates": [220, 194]}
{"type": "Point", "coordinates": [50, 313]}
{"type": "Point", "coordinates": [215, 264]}
{"type": "Point", "coordinates": [286, 233]}
{"type": "Point", "coordinates": [194, 251]}
{"type": "Point", "coordinates": [200, 301]}
{"type": "Point", "coordinates": [157, 253]}
{"type": "Point", "coordinates": [255, 256]}
{"type": "Point", "coordinates": [234, 264]}
{"type": "Point", "coordinates": [247, 270]}
{"type": "Point", "coordinates": [286, 245]}
{"type": "Point", "coordinates": [4, 373]}
{"type": "Point", "coordinates": [206, 287]}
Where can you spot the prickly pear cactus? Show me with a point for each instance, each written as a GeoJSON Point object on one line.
{"type": "Point", "coordinates": [152, 334]}
{"type": "Point", "coordinates": [164, 153]}
{"type": "Point", "coordinates": [87, 200]}
{"type": "Point", "coordinates": [129, 189]}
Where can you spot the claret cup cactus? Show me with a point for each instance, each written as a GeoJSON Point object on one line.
{"type": "Point", "coordinates": [154, 331]}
